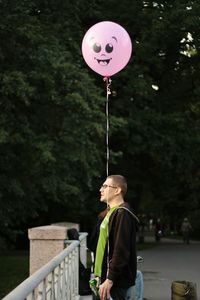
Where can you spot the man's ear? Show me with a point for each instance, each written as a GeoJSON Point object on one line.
{"type": "Point", "coordinates": [118, 190]}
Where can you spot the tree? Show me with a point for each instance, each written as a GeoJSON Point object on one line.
{"type": "Point", "coordinates": [51, 116]}
{"type": "Point", "coordinates": [158, 98]}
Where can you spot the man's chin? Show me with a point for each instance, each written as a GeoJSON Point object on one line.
{"type": "Point", "coordinates": [103, 199]}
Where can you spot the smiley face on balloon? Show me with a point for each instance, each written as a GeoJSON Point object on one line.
{"type": "Point", "coordinates": [106, 48]}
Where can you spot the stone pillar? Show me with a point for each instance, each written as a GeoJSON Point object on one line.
{"type": "Point", "coordinates": [45, 243]}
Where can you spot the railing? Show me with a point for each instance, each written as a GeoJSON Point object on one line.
{"type": "Point", "coordinates": [58, 279]}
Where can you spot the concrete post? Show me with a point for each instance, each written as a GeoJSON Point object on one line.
{"type": "Point", "coordinates": [45, 243]}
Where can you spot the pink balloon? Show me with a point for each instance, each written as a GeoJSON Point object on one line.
{"type": "Point", "coordinates": [106, 48]}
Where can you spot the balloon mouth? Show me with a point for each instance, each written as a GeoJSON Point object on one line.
{"type": "Point", "coordinates": [103, 62]}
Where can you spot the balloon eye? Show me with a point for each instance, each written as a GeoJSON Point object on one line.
{"type": "Point", "coordinates": [109, 48]}
{"type": "Point", "coordinates": [96, 47]}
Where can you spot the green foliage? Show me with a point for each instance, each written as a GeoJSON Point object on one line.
{"type": "Point", "coordinates": [51, 117]}
{"type": "Point", "coordinates": [52, 111]}
{"type": "Point", "coordinates": [157, 95]}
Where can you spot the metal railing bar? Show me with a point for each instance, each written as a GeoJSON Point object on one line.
{"type": "Point", "coordinates": [27, 286]}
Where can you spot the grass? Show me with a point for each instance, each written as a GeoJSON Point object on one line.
{"type": "Point", "coordinates": [14, 269]}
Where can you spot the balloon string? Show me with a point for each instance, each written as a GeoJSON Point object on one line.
{"type": "Point", "coordinates": [108, 92]}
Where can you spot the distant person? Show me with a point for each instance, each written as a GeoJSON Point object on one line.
{"type": "Point", "coordinates": [186, 230]}
{"type": "Point", "coordinates": [151, 225]}
{"type": "Point", "coordinates": [158, 230]}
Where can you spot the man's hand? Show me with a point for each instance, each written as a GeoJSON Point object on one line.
{"type": "Point", "coordinates": [104, 289]}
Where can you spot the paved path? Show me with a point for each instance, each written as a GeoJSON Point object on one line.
{"type": "Point", "coordinates": [87, 297]}
{"type": "Point", "coordinates": [170, 260]}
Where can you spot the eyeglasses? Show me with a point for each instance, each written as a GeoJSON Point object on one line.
{"type": "Point", "coordinates": [104, 186]}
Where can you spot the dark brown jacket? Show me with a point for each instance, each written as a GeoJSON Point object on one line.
{"type": "Point", "coordinates": [122, 249]}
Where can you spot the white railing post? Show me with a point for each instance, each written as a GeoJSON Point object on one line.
{"type": "Point", "coordinates": [83, 248]}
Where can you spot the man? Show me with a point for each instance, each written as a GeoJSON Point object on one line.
{"type": "Point", "coordinates": [116, 260]}
{"type": "Point", "coordinates": [186, 228]}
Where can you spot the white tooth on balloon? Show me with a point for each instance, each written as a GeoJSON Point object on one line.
{"type": "Point", "coordinates": [103, 63]}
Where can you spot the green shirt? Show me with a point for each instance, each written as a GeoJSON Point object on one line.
{"type": "Point", "coordinates": [103, 236]}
